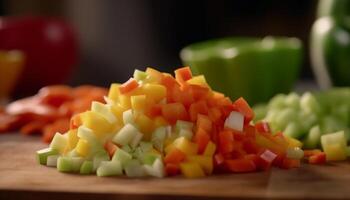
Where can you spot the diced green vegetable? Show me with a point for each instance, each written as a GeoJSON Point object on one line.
{"type": "Point", "coordinates": [313, 138]}
{"type": "Point", "coordinates": [110, 168]}
{"type": "Point", "coordinates": [128, 117]}
{"type": "Point", "coordinates": [86, 167]}
{"type": "Point", "coordinates": [98, 158]}
{"type": "Point", "coordinates": [125, 135]}
{"type": "Point", "coordinates": [293, 130]}
{"type": "Point", "coordinates": [134, 169]}
{"type": "Point", "coordinates": [156, 170]}
{"type": "Point", "coordinates": [76, 163]}
{"type": "Point", "coordinates": [334, 145]}
{"type": "Point", "coordinates": [122, 156]}
{"type": "Point", "coordinates": [149, 158]}
{"type": "Point", "coordinates": [59, 142]}
{"type": "Point", "coordinates": [52, 161]}
{"type": "Point", "coordinates": [44, 153]}
{"type": "Point", "coordinates": [64, 164]}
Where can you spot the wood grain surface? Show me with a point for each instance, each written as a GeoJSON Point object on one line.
{"type": "Point", "coordinates": [22, 178]}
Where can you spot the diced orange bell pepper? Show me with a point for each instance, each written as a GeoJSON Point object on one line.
{"type": "Point", "coordinates": [241, 165]}
{"type": "Point", "coordinates": [175, 156]}
{"type": "Point", "coordinates": [201, 138]}
{"type": "Point", "coordinates": [173, 112]}
{"type": "Point", "coordinates": [199, 107]}
{"type": "Point", "coordinates": [317, 159]}
{"type": "Point", "coordinates": [128, 86]}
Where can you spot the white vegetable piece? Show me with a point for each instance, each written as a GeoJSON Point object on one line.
{"type": "Point", "coordinates": [110, 168]}
{"type": "Point", "coordinates": [98, 159]}
{"type": "Point", "coordinates": [235, 121]}
{"type": "Point", "coordinates": [125, 135]}
{"type": "Point", "coordinates": [104, 110]}
{"type": "Point", "coordinates": [128, 117]}
{"type": "Point", "coordinates": [52, 161]}
{"type": "Point", "coordinates": [122, 156]}
{"type": "Point", "coordinates": [156, 170]}
{"type": "Point", "coordinates": [136, 140]}
{"type": "Point", "coordinates": [59, 142]}
{"type": "Point", "coordinates": [134, 169]}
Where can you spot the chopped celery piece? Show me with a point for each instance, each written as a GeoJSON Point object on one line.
{"type": "Point", "coordinates": [110, 168]}
{"type": "Point", "coordinates": [186, 133]}
{"type": "Point", "coordinates": [59, 142]}
{"type": "Point", "coordinates": [52, 161]}
{"type": "Point", "coordinates": [293, 130]}
{"type": "Point", "coordinates": [104, 110]}
{"type": "Point", "coordinates": [309, 104]}
{"type": "Point", "coordinates": [44, 153]}
{"type": "Point", "coordinates": [76, 163]}
{"type": "Point", "coordinates": [180, 124]}
{"type": "Point", "coordinates": [128, 117]}
{"type": "Point", "coordinates": [122, 156]}
{"type": "Point", "coordinates": [136, 140]}
{"type": "Point", "coordinates": [139, 75]}
{"type": "Point", "coordinates": [156, 170]}
{"type": "Point", "coordinates": [134, 169]}
{"type": "Point", "coordinates": [313, 138]}
{"type": "Point", "coordinates": [125, 135]}
{"type": "Point", "coordinates": [295, 153]}
{"type": "Point", "coordinates": [64, 164]}
{"type": "Point", "coordinates": [86, 167]}
{"type": "Point", "coordinates": [98, 158]}
{"type": "Point", "coordinates": [292, 100]}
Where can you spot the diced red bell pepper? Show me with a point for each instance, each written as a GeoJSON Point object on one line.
{"type": "Point", "coordinates": [172, 169]}
{"type": "Point", "coordinates": [241, 165]}
{"type": "Point", "coordinates": [199, 92]}
{"type": "Point", "coordinates": [262, 127]}
{"type": "Point", "coordinates": [244, 108]}
{"type": "Point", "coordinates": [226, 141]}
{"type": "Point", "coordinates": [175, 156]}
{"type": "Point", "coordinates": [183, 74]}
{"type": "Point", "coordinates": [312, 152]}
{"type": "Point", "coordinates": [181, 96]}
{"type": "Point", "coordinates": [128, 86]}
{"type": "Point", "coordinates": [55, 95]}
{"type": "Point", "coordinates": [201, 138]}
{"type": "Point", "coordinates": [173, 112]}
{"type": "Point", "coordinates": [204, 122]}
{"type": "Point", "coordinates": [214, 114]}
{"type": "Point", "coordinates": [317, 159]}
{"type": "Point", "coordinates": [288, 163]}
{"type": "Point", "coordinates": [199, 107]}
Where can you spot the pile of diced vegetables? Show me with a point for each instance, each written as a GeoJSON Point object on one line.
{"type": "Point", "coordinates": [316, 119]}
{"type": "Point", "coordinates": [159, 125]}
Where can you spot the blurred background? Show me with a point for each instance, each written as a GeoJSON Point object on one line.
{"type": "Point", "coordinates": [117, 36]}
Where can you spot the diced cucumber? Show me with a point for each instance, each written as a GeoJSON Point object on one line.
{"type": "Point", "coordinates": [134, 169]}
{"type": "Point", "coordinates": [334, 145]}
{"type": "Point", "coordinates": [98, 158]}
{"type": "Point", "coordinates": [64, 164]}
{"type": "Point", "coordinates": [149, 158]}
{"type": "Point", "coordinates": [52, 161]}
{"type": "Point", "coordinates": [122, 156]}
{"type": "Point", "coordinates": [125, 135]}
{"type": "Point", "coordinates": [86, 167]}
{"type": "Point", "coordinates": [285, 117]}
{"type": "Point", "coordinates": [110, 168]}
{"type": "Point", "coordinates": [158, 137]}
{"type": "Point", "coordinates": [44, 153]}
{"type": "Point", "coordinates": [293, 130]}
{"type": "Point", "coordinates": [156, 170]}
{"type": "Point", "coordinates": [309, 104]}
{"type": "Point", "coordinates": [76, 163]}
{"type": "Point", "coordinates": [136, 140]}
{"type": "Point", "coordinates": [59, 142]}
{"type": "Point", "coordinates": [180, 124]}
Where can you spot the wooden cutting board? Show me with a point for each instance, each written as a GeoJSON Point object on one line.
{"type": "Point", "coordinates": [22, 178]}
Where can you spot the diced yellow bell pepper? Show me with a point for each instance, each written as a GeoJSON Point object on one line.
{"type": "Point", "coordinates": [155, 92]}
{"type": "Point", "coordinates": [145, 125]}
{"type": "Point", "coordinates": [206, 162]}
{"type": "Point", "coordinates": [96, 122]}
{"type": "Point", "coordinates": [209, 149]}
{"type": "Point", "coordinates": [154, 76]}
{"type": "Point", "coordinates": [118, 110]}
{"type": "Point", "coordinates": [198, 80]}
{"type": "Point", "coordinates": [292, 142]}
{"type": "Point", "coordinates": [125, 102]}
{"type": "Point", "coordinates": [186, 146]}
{"type": "Point", "coordinates": [72, 139]}
{"type": "Point", "coordinates": [82, 148]}
{"type": "Point", "coordinates": [138, 103]}
{"type": "Point", "coordinates": [191, 170]}
{"type": "Point", "coordinates": [114, 92]}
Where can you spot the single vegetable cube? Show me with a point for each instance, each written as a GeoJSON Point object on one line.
{"type": "Point", "coordinates": [209, 149]}
{"type": "Point", "coordinates": [138, 102]}
{"type": "Point", "coordinates": [155, 92]}
{"type": "Point", "coordinates": [156, 170]}
{"type": "Point", "coordinates": [128, 117]}
{"type": "Point", "coordinates": [186, 146]}
{"type": "Point", "coordinates": [153, 76]}
{"type": "Point", "coordinates": [114, 92]}
{"type": "Point", "coordinates": [139, 75]}
{"type": "Point", "coordinates": [86, 167]}
{"type": "Point", "coordinates": [180, 124]}
{"type": "Point", "coordinates": [145, 125]}
{"type": "Point", "coordinates": [52, 161]}
{"type": "Point", "coordinates": [59, 143]}
{"type": "Point", "coordinates": [98, 158]}
{"type": "Point", "coordinates": [110, 168]}
{"type": "Point", "coordinates": [44, 153]}
{"type": "Point", "coordinates": [125, 135]}
{"type": "Point", "coordinates": [122, 156]}
{"type": "Point", "coordinates": [198, 80]}
{"type": "Point", "coordinates": [191, 170]}
{"type": "Point", "coordinates": [96, 122]}
{"type": "Point", "coordinates": [133, 168]}
{"type": "Point", "coordinates": [104, 110]}
{"type": "Point", "coordinates": [334, 145]}
{"type": "Point", "coordinates": [206, 162]}
{"type": "Point", "coordinates": [64, 164]}
{"type": "Point", "coordinates": [295, 153]}
{"type": "Point", "coordinates": [83, 148]}
{"type": "Point", "coordinates": [235, 121]}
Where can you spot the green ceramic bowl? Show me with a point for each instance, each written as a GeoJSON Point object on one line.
{"type": "Point", "coordinates": [254, 68]}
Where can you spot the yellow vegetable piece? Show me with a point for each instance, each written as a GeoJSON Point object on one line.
{"type": "Point", "coordinates": [292, 142]}
{"type": "Point", "coordinates": [125, 102]}
{"type": "Point", "coordinates": [186, 146]}
{"type": "Point", "coordinates": [145, 125]}
{"type": "Point", "coordinates": [153, 76]}
{"type": "Point", "coordinates": [191, 170]}
{"type": "Point", "coordinates": [82, 148]}
{"type": "Point", "coordinates": [72, 139]}
{"type": "Point", "coordinates": [114, 92]}
{"type": "Point", "coordinates": [198, 80]}
{"type": "Point", "coordinates": [206, 162]}
{"type": "Point", "coordinates": [96, 122]}
{"type": "Point", "coordinates": [118, 110]}
{"type": "Point", "coordinates": [209, 149]}
{"type": "Point", "coordinates": [138, 102]}
{"type": "Point", "coordinates": [154, 92]}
